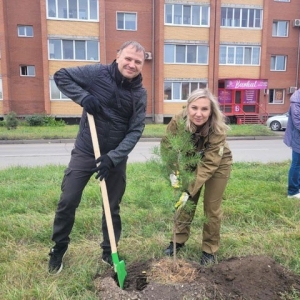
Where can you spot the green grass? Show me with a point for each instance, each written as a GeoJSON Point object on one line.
{"type": "Point", "coordinates": [258, 219]}
{"type": "Point", "coordinates": [250, 130]}
{"type": "Point", "coordinates": [39, 132]}
{"type": "Point", "coordinates": [151, 130]}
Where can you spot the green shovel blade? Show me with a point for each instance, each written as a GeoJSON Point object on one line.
{"type": "Point", "coordinates": [119, 267]}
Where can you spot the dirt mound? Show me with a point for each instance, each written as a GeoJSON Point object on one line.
{"type": "Point", "coordinates": [243, 278]}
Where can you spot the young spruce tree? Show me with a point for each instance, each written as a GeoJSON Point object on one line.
{"type": "Point", "coordinates": [179, 157]}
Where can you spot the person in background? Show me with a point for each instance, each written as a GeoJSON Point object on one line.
{"type": "Point", "coordinates": [292, 139]}
{"type": "Point", "coordinates": [205, 122]}
{"type": "Point", "coordinates": [115, 96]}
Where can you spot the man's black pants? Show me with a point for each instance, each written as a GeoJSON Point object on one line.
{"type": "Point", "coordinates": [75, 179]}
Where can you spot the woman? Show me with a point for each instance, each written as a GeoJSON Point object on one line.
{"type": "Point", "coordinates": [205, 121]}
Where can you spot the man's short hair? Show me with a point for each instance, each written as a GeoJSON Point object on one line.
{"type": "Point", "coordinates": [138, 47]}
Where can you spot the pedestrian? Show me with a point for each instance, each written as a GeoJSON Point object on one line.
{"type": "Point", "coordinates": [292, 139]}
{"type": "Point", "coordinates": [205, 122]}
{"type": "Point", "coordinates": [115, 96]}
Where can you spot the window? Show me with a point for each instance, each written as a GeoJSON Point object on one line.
{"type": "Point", "coordinates": [239, 55]}
{"type": "Point", "coordinates": [74, 49]}
{"type": "Point", "coordinates": [278, 63]}
{"type": "Point", "coordinates": [186, 54]}
{"type": "Point", "coordinates": [73, 9]}
{"type": "Point", "coordinates": [280, 28]}
{"type": "Point", "coordinates": [187, 15]}
{"type": "Point", "coordinates": [126, 21]}
{"type": "Point", "coordinates": [180, 90]}
{"type": "Point", "coordinates": [55, 93]}
{"type": "Point", "coordinates": [282, 0]}
{"type": "Point", "coordinates": [25, 31]}
{"type": "Point", "coordinates": [1, 91]}
{"type": "Point", "coordinates": [241, 17]}
{"type": "Point", "coordinates": [27, 70]}
{"type": "Point", "coordinates": [276, 96]}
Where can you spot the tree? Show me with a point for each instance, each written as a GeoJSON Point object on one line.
{"type": "Point", "coordinates": [179, 161]}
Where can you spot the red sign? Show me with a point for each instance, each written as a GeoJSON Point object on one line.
{"type": "Point", "coordinates": [246, 84]}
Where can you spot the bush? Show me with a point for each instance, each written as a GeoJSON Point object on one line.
{"type": "Point", "coordinates": [35, 120]}
{"type": "Point", "coordinates": [11, 121]}
{"type": "Point", "coordinates": [43, 120]}
{"type": "Point", "coordinates": [50, 121]}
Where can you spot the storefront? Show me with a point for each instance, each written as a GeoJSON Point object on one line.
{"type": "Point", "coordinates": [239, 98]}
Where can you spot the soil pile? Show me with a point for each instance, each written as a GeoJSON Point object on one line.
{"type": "Point", "coordinates": [242, 278]}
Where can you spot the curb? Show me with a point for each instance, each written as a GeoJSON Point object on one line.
{"type": "Point", "coordinates": [267, 137]}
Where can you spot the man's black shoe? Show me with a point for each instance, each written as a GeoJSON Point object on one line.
{"type": "Point", "coordinates": [56, 256]}
{"type": "Point", "coordinates": [170, 250]}
{"type": "Point", "coordinates": [107, 259]}
{"type": "Point", "coordinates": [207, 259]}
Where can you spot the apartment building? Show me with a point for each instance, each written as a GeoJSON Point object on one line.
{"type": "Point", "coordinates": [245, 51]}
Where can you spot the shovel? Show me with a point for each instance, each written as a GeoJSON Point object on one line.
{"type": "Point", "coordinates": [119, 266]}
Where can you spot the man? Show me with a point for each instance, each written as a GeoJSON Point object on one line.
{"type": "Point", "coordinates": [114, 95]}
{"type": "Point", "coordinates": [292, 139]}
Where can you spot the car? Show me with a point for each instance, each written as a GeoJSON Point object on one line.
{"type": "Point", "coordinates": [278, 122]}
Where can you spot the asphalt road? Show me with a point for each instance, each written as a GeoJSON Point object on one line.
{"type": "Point", "coordinates": [38, 154]}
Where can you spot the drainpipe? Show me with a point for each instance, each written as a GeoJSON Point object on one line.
{"type": "Point", "coordinates": [153, 65]}
{"type": "Point", "coordinates": [215, 82]}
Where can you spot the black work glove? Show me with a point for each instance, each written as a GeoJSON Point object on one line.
{"type": "Point", "coordinates": [103, 169]}
{"type": "Point", "coordinates": [91, 105]}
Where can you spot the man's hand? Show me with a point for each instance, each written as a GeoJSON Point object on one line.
{"type": "Point", "coordinates": [182, 200]}
{"type": "Point", "coordinates": [91, 105]}
{"type": "Point", "coordinates": [103, 169]}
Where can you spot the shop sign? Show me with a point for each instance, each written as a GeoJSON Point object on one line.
{"type": "Point", "coordinates": [246, 84]}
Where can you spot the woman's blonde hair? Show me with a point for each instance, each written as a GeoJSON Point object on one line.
{"type": "Point", "coordinates": [216, 121]}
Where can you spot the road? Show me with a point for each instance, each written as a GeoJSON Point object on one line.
{"type": "Point", "coordinates": [264, 151]}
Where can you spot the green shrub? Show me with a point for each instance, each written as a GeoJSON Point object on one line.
{"type": "Point", "coordinates": [2, 123]}
{"type": "Point", "coordinates": [11, 121]}
{"type": "Point", "coordinates": [43, 120]}
{"type": "Point", "coordinates": [51, 121]}
{"type": "Point", "coordinates": [35, 120]}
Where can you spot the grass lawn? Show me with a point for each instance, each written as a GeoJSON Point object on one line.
{"type": "Point", "coordinates": [258, 219]}
{"type": "Point", "coordinates": [151, 130]}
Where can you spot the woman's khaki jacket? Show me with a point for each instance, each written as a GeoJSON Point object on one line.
{"type": "Point", "coordinates": [216, 159]}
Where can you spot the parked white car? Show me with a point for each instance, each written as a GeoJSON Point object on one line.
{"type": "Point", "coordinates": [278, 122]}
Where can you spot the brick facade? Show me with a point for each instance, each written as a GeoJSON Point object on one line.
{"type": "Point", "coordinates": [29, 95]}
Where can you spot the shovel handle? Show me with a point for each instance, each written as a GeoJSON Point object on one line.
{"type": "Point", "coordinates": [103, 188]}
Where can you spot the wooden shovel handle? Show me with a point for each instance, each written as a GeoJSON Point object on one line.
{"type": "Point", "coordinates": [103, 188]}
